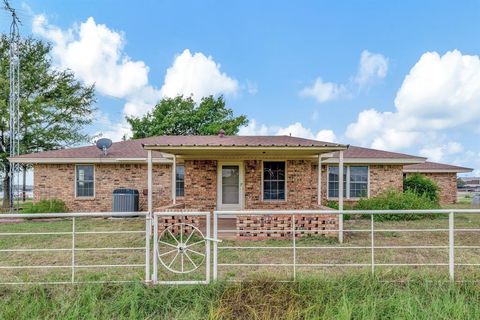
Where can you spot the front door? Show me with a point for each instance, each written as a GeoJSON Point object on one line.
{"type": "Point", "coordinates": [230, 186]}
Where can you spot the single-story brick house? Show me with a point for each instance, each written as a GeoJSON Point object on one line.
{"type": "Point", "coordinates": [227, 173]}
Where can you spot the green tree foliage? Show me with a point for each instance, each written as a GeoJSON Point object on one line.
{"type": "Point", "coordinates": [182, 116]}
{"type": "Point", "coordinates": [421, 185]}
{"type": "Point", "coordinates": [54, 105]}
{"type": "Point", "coordinates": [397, 200]}
{"type": "Point", "coordinates": [460, 183]}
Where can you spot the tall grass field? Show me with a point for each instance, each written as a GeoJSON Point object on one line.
{"type": "Point", "coordinates": [346, 297]}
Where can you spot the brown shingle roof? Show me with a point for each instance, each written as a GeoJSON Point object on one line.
{"type": "Point", "coordinates": [434, 167]}
{"type": "Point", "coordinates": [354, 152]}
{"type": "Point", "coordinates": [133, 149]}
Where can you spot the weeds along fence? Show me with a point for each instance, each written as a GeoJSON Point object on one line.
{"type": "Point", "coordinates": [70, 248]}
{"type": "Point", "coordinates": [195, 247]}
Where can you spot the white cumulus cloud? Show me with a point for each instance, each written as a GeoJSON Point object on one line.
{"type": "Point", "coordinates": [324, 91]}
{"type": "Point", "coordinates": [439, 92]}
{"type": "Point", "coordinates": [372, 66]}
{"type": "Point", "coordinates": [295, 129]}
{"type": "Point", "coordinates": [196, 75]}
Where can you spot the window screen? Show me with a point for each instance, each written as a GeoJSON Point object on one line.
{"type": "Point", "coordinates": [85, 181]}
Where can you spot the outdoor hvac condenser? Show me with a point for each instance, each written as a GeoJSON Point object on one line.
{"type": "Point", "coordinates": [125, 200]}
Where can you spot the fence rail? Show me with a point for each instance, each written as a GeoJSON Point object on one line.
{"type": "Point", "coordinates": [74, 265]}
{"type": "Point", "coordinates": [373, 264]}
{"type": "Point", "coordinates": [292, 250]}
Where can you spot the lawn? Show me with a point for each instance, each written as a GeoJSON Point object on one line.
{"type": "Point", "coordinates": [358, 296]}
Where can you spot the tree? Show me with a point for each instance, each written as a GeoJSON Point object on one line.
{"type": "Point", "coordinates": [421, 185]}
{"type": "Point", "coordinates": [54, 105]}
{"type": "Point", "coordinates": [182, 116]}
{"type": "Point", "coordinates": [460, 183]}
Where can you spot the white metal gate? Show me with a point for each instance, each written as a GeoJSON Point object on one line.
{"type": "Point", "coordinates": [181, 247]}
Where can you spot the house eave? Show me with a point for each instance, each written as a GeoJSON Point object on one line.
{"type": "Point", "coordinates": [86, 160]}
{"type": "Point", "coordinates": [401, 161]}
{"type": "Point", "coordinates": [437, 170]}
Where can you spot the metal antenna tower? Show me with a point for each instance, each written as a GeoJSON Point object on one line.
{"type": "Point", "coordinates": [14, 100]}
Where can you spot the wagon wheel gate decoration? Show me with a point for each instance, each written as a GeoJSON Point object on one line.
{"type": "Point", "coordinates": [181, 248]}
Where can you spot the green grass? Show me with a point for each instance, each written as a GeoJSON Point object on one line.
{"type": "Point", "coordinates": [346, 297]}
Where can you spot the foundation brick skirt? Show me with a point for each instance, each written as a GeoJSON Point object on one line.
{"type": "Point", "coordinates": [264, 227]}
{"type": "Point", "coordinates": [173, 221]}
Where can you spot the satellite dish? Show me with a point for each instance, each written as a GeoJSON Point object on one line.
{"type": "Point", "coordinates": [103, 144]}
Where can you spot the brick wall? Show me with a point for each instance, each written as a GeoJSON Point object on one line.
{"type": "Point", "coordinates": [256, 227]}
{"type": "Point", "coordinates": [58, 181]}
{"type": "Point", "coordinates": [200, 184]}
{"type": "Point", "coordinates": [447, 182]}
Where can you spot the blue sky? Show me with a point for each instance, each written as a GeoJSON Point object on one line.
{"type": "Point", "coordinates": [402, 76]}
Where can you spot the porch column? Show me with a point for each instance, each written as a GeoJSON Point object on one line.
{"type": "Point", "coordinates": [319, 180]}
{"type": "Point", "coordinates": [340, 196]}
{"type": "Point", "coordinates": [174, 179]}
{"type": "Point", "coordinates": [150, 181]}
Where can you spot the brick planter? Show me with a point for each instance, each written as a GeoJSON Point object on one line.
{"type": "Point", "coordinates": [260, 227]}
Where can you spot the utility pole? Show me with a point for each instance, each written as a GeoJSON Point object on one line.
{"type": "Point", "coordinates": [14, 102]}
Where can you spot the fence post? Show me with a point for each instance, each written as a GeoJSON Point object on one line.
{"type": "Point", "coordinates": [207, 231]}
{"type": "Point", "coordinates": [451, 245]}
{"type": "Point", "coordinates": [294, 248]}
{"type": "Point", "coordinates": [373, 243]}
{"type": "Point", "coordinates": [155, 249]}
{"type": "Point", "coordinates": [73, 250]}
{"type": "Point", "coordinates": [215, 244]}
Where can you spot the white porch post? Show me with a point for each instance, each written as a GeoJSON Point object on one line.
{"type": "Point", "coordinates": [319, 180]}
{"type": "Point", "coordinates": [150, 214]}
{"type": "Point", "coordinates": [340, 196]}
{"type": "Point", "coordinates": [174, 179]}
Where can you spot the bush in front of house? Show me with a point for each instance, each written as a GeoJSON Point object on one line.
{"type": "Point", "coordinates": [46, 206]}
{"type": "Point", "coordinates": [421, 185]}
{"type": "Point", "coordinates": [397, 200]}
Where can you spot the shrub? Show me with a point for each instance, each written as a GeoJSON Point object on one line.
{"type": "Point", "coordinates": [46, 206]}
{"type": "Point", "coordinates": [346, 206]}
{"type": "Point", "coordinates": [396, 200]}
{"type": "Point", "coordinates": [421, 185]}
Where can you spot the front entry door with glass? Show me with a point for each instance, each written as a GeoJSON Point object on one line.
{"type": "Point", "coordinates": [230, 182]}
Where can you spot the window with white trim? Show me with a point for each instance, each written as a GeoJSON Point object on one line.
{"type": "Point", "coordinates": [355, 181]}
{"type": "Point", "coordinates": [180, 181]}
{"type": "Point", "coordinates": [273, 180]}
{"type": "Point", "coordinates": [85, 181]}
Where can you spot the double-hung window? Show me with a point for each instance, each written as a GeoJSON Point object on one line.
{"type": "Point", "coordinates": [355, 181]}
{"type": "Point", "coordinates": [85, 181]}
{"type": "Point", "coordinates": [180, 181]}
{"type": "Point", "coordinates": [273, 180]}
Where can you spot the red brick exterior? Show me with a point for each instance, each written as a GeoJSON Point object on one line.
{"type": "Point", "coordinates": [447, 183]}
{"type": "Point", "coordinates": [200, 185]}
{"type": "Point", "coordinates": [58, 181]}
{"type": "Point", "coordinates": [256, 227]}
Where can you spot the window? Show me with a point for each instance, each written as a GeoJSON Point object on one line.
{"type": "Point", "coordinates": [358, 182]}
{"type": "Point", "coordinates": [333, 181]}
{"type": "Point", "coordinates": [355, 181]}
{"type": "Point", "coordinates": [85, 184]}
{"type": "Point", "coordinates": [180, 181]}
{"type": "Point", "coordinates": [273, 180]}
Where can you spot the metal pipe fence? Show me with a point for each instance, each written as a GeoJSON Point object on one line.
{"type": "Point", "coordinates": [71, 252]}
{"type": "Point", "coordinates": [372, 248]}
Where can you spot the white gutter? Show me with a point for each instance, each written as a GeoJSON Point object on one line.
{"type": "Point", "coordinates": [87, 160]}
